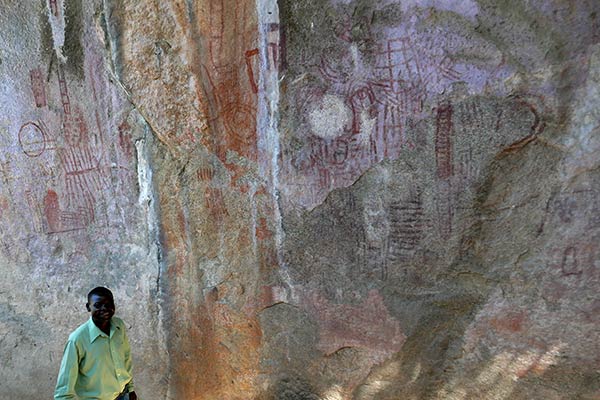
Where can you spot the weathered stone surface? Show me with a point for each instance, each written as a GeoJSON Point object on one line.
{"type": "Point", "coordinates": [74, 214]}
{"type": "Point", "coordinates": [464, 119]}
{"type": "Point", "coordinates": [342, 199]}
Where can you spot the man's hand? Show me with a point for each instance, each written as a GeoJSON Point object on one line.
{"type": "Point", "coordinates": [132, 396]}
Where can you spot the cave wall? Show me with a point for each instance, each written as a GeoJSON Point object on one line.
{"type": "Point", "coordinates": [341, 199]}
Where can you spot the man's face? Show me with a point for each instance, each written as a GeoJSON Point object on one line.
{"type": "Point", "coordinates": [101, 307]}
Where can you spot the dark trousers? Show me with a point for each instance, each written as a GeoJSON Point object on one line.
{"type": "Point", "coordinates": [124, 396]}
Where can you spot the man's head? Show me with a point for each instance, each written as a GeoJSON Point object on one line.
{"type": "Point", "coordinates": [101, 304]}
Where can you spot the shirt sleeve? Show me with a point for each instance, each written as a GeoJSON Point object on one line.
{"type": "Point", "coordinates": [128, 362]}
{"type": "Point", "coordinates": [67, 376]}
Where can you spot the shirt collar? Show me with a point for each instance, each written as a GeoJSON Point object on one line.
{"type": "Point", "coordinates": [95, 331]}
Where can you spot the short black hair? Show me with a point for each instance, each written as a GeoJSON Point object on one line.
{"type": "Point", "coordinates": [100, 291]}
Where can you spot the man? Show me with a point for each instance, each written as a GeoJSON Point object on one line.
{"type": "Point", "coordinates": [97, 360]}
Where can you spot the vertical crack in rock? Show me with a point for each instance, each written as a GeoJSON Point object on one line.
{"type": "Point", "coordinates": [268, 112]}
{"type": "Point", "coordinates": [73, 46]}
{"type": "Point", "coordinates": [148, 200]}
{"type": "Point", "coordinates": [147, 196]}
{"type": "Point", "coordinates": [112, 38]}
{"type": "Point", "coordinates": [56, 18]}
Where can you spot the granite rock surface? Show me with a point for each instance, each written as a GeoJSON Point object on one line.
{"type": "Point", "coordinates": [329, 200]}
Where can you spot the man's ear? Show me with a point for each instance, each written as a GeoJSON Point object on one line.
{"type": "Point", "coordinates": [87, 306]}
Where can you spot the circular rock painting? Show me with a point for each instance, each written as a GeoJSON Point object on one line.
{"type": "Point", "coordinates": [32, 139]}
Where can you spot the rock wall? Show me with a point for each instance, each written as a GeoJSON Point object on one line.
{"type": "Point", "coordinates": [439, 193]}
{"type": "Point", "coordinates": [75, 211]}
{"type": "Point", "coordinates": [340, 199]}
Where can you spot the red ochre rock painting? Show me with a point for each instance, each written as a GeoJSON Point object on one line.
{"type": "Point", "coordinates": [4, 205]}
{"type": "Point", "coordinates": [33, 139]}
{"type": "Point", "coordinates": [509, 322]}
{"type": "Point", "coordinates": [502, 326]}
{"type": "Point", "coordinates": [367, 325]}
{"type": "Point", "coordinates": [38, 87]}
{"type": "Point", "coordinates": [125, 142]}
{"type": "Point", "coordinates": [262, 230]}
{"type": "Point", "coordinates": [384, 102]}
{"type": "Point", "coordinates": [230, 71]}
{"type": "Point", "coordinates": [52, 211]}
{"type": "Point", "coordinates": [215, 203]}
{"type": "Point", "coordinates": [574, 261]}
{"type": "Point", "coordinates": [71, 204]}
{"type": "Point", "coordinates": [236, 110]}
{"type": "Point", "coordinates": [59, 220]}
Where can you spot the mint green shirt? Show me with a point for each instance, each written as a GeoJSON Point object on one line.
{"type": "Point", "coordinates": [95, 365]}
